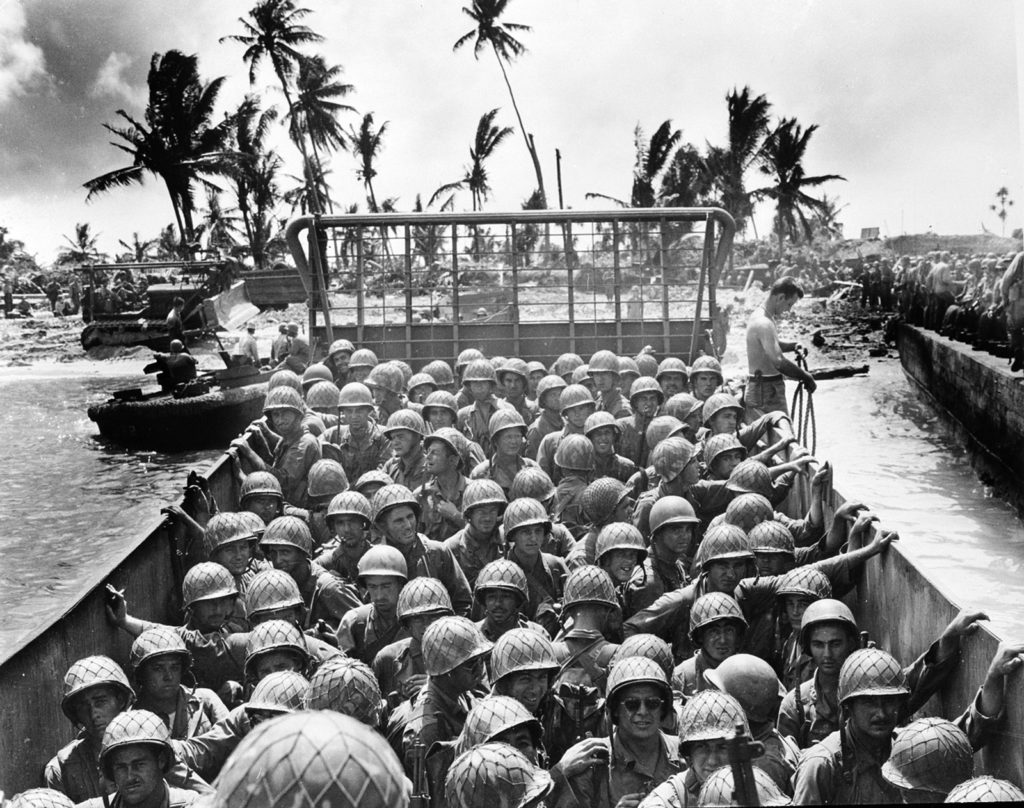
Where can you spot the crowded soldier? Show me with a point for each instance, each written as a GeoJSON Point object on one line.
{"type": "Point", "coordinates": [482, 625]}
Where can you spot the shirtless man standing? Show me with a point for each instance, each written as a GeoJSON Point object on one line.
{"type": "Point", "coordinates": [766, 386]}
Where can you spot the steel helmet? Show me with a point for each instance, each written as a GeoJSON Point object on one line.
{"type": "Point", "coordinates": [720, 444]}
{"type": "Point", "coordinates": [647, 364]}
{"type": "Point", "coordinates": [479, 370]}
{"type": "Point", "coordinates": [341, 346]}
{"type": "Point", "coordinates": [721, 542]}
{"type": "Point", "coordinates": [404, 367]}
{"type": "Point", "coordinates": [662, 427]}
{"type": "Point", "coordinates": [440, 371]}
{"type": "Point", "coordinates": [620, 536]}
{"type": "Point", "coordinates": [275, 635]}
{"type": "Point", "coordinates": [382, 560]}
{"type": "Point", "coordinates": [566, 364]}
{"type": "Point", "coordinates": [581, 374]}
{"type": "Point", "coordinates": [671, 364]}
{"type": "Point", "coordinates": [260, 484]}
{"type": "Point", "coordinates": [326, 478]}
{"type": "Point", "coordinates": [363, 358]}
{"type": "Point", "coordinates": [716, 403]}
{"type": "Point", "coordinates": [601, 420]}
{"type": "Point", "coordinates": [323, 396]}
{"type": "Point", "coordinates": [589, 585]}
{"type": "Point", "coordinates": [985, 789]}
{"type": "Point", "coordinates": [750, 477]}
{"type": "Point", "coordinates": [627, 366]}
{"type": "Point", "coordinates": [207, 581]}
{"type": "Point", "coordinates": [284, 378]}
{"type": "Point", "coordinates": [719, 789]}
{"type": "Point", "coordinates": [136, 728]}
{"type": "Point", "coordinates": [454, 440]}
{"type": "Point", "coordinates": [355, 394]}
{"type": "Point", "coordinates": [646, 384]}
{"type": "Point", "coordinates": [442, 399]}
{"type": "Point", "coordinates": [871, 672]}
{"type": "Point", "coordinates": [707, 364]}
{"type": "Point", "coordinates": [522, 649]}
{"type": "Point", "coordinates": [575, 395]}
{"type": "Point", "coordinates": [604, 362]}
{"type": "Point", "coordinates": [636, 670]}
{"type": "Point", "coordinates": [804, 582]}
{"type": "Point", "coordinates": [311, 759]}
{"type": "Point", "coordinates": [41, 798]}
{"type": "Point", "coordinates": [407, 420]}
{"type": "Point", "coordinates": [670, 457]}
{"type": "Point", "coordinates": [671, 510]}
{"type": "Point", "coordinates": [713, 608]}
{"type": "Point", "coordinates": [467, 356]}
{"type": "Point", "coordinates": [547, 384]}
{"type": "Point", "coordinates": [535, 367]}
{"type": "Point", "coordinates": [682, 406]}
{"type": "Point", "coordinates": [748, 510]}
{"type": "Point", "coordinates": [502, 575]}
{"type": "Point", "coordinates": [491, 716]}
{"type": "Point", "coordinates": [421, 379]}
{"type": "Point", "coordinates": [600, 499]}
{"type": "Point", "coordinates": [515, 366]}
{"type": "Point", "coordinates": [271, 591]}
{"type": "Point", "coordinates": [753, 683]}
{"type": "Point", "coordinates": [252, 522]}
{"type": "Point", "coordinates": [317, 372]}
{"type": "Point", "coordinates": [372, 477]}
{"type": "Point", "coordinates": [649, 646]}
{"type": "Point", "coordinates": [504, 419]}
{"type": "Point", "coordinates": [423, 596]}
{"type": "Point", "coordinates": [524, 512]}
{"type": "Point", "coordinates": [90, 672]}
{"type": "Point", "coordinates": [346, 686]}
{"type": "Point", "coordinates": [349, 503]}
{"type": "Point", "coordinates": [288, 531]}
{"type": "Point", "coordinates": [450, 641]}
{"type": "Point", "coordinates": [770, 536]}
{"type": "Point", "coordinates": [532, 482]}
{"type": "Point", "coordinates": [158, 642]}
{"type": "Point", "coordinates": [284, 398]}
{"type": "Point", "coordinates": [390, 497]}
{"type": "Point", "coordinates": [387, 376]}
{"type": "Point", "coordinates": [280, 692]}
{"type": "Point", "coordinates": [824, 611]}
{"type": "Point", "coordinates": [930, 754]}
{"type": "Point", "coordinates": [711, 715]}
{"type": "Point", "coordinates": [495, 774]}
{"type": "Point", "coordinates": [575, 452]}
{"type": "Point", "coordinates": [226, 528]}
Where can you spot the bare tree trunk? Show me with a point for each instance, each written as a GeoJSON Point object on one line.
{"type": "Point", "coordinates": [522, 128]}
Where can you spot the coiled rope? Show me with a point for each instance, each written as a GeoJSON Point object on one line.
{"type": "Point", "coordinates": [805, 426]}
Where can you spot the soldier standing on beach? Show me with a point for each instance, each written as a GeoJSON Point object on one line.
{"type": "Point", "coordinates": [766, 385]}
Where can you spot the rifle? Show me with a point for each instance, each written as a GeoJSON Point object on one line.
{"type": "Point", "coordinates": [742, 750]}
{"type": "Point", "coordinates": [421, 787]}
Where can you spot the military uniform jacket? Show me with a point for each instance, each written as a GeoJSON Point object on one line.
{"type": "Point", "coordinates": [548, 447]}
{"type": "Point", "coordinates": [489, 470]}
{"type": "Point", "coordinates": [173, 798]}
{"type": "Point", "coordinates": [543, 425]}
{"type": "Point", "coordinates": [357, 454]}
{"type": "Point", "coordinates": [473, 421]}
{"type": "Point", "coordinates": [649, 581]}
{"type": "Point", "coordinates": [473, 554]}
{"type": "Point", "coordinates": [291, 464]}
{"type": "Point", "coordinates": [545, 578]}
{"type": "Point", "coordinates": [494, 634]}
{"type": "Point", "coordinates": [568, 504]}
{"type": "Point", "coordinates": [615, 403]}
{"type": "Point", "coordinates": [394, 665]}
{"type": "Point", "coordinates": [843, 769]}
{"type": "Point", "coordinates": [432, 523]}
{"type": "Point", "coordinates": [207, 753]}
{"type": "Point", "coordinates": [362, 634]}
{"type": "Point", "coordinates": [526, 408]}
{"type": "Point", "coordinates": [436, 716]}
{"type": "Point", "coordinates": [679, 791]}
{"type": "Point", "coordinates": [615, 466]}
{"type": "Point", "coordinates": [196, 712]}
{"type": "Point", "coordinates": [327, 597]}
{"type": "Point", "coordinates": [432, 559]}
{"type": "Point", "coordinates": [688, 676]}
{"type": "Point", "coordinates": [408, 471]}
{"type": "Point", "coordinates": [633, 438]}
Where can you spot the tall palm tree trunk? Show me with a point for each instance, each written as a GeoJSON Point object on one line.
{"type": "Point", "coordinates": [522, 128]}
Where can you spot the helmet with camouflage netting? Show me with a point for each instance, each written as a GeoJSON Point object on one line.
{"type": "Point", "coordinates": [671, 364]}
{"type": "Point", "coordinates": [750, 477]}
{"type": "Point", "coordinates": [495, 774]}
{"type": "Point", "coordinates": [710, 715]}
{"type": "Point", "coordinates": [707, 364]}
{"type": "Point", "coordinates": [288, 531]}
{"type": "Point", "coordinates": [748, 510]}
{"type": "Point", "coordinates": [522, 649]}
{"type": "Point", "coordinates": [323, 396]}
{"type": "Point", "coordinates": [275, 636]}
{"type": "Point", "coordinates": [620, 536]}
{"type": "Point", "coordinates": [715, 607]}
{"type": "Point", "coordinates": [524, 512]}
{"type": "Point", "coordinates": [722, 542]}
{"type": "Point", "coordinates": [207, 580]}
{"type": "Point", "coordinates": [804, 582]}
{"type": "Point", "coordinates": [440, 371]}
{"type": "Point", "coordinates": [354, 395]}
{"type": "Point", "coordinates": [423, 596]}
{"type": "Point", "coordinates": [871, 672]}
{"type": "Point", "coordinates": [467, 356]}
{"type": "Point", "coordinates": [260, 484]}
{"type": "Point", "coordinates": [588, 586]}
{"type": "Point", "coordinates": [451, 641]}
{"type": "Point", "coordinates": [493, 715]}
{"type": "Point", "coordinates": [986, 789]}
{"type": "Point", "coordinates": [362, 358]}
{"type": "Point", "coordinates": [91, 672]}
{"type": "Point", "coordinates": [349, 503]}
{"type": "Point", "coordinates": [407, 421]}
{"type": "Point", "coordinates": [575, 453]}
{"type": "Point", "coordinates": [157, 642]}
{"type": "Point", "coordinates": [719, 789]}
{"type": "Point", "coordinates": [271, 591]}
{"type": "Point", "coordinates": [671, 456]}
{"type": "Point", "coordinates": [480, 493]}
{"type": "Point", "coordinates": [284, 378]}
{"type": "Point", "coordinates": [645, 645]}
{"type": "Point", "coordinates": [41, 798]}
{"type": "Point", "coordinates": [136, 728]}
{"type": "Point", "coordinates": [643, 386]}
{"type": "Point", "coordinates": [532, 482]}
{"type": "Point", "coordinates": [326, 478]}
{"type": "Point", "coordinates": [284, 398]}
{"type": "Point", "coordinates": [390, 497]}
{"type": "Point", "coordinates": [280, 692]}
{"type": "Point", "coordinates": [720, 402]}
{"type": "Point", "coordinates": [930, 754]}
{"type": "Point", "coordinates": [479, 370]}
{"type": "Point", "coordinates": [682, 406]}
{"type": "Point", "coordinates": [720, 444]}
{"type": "Point", "coordinates": [504, 576]}
{"type": "Point", "coordinates": [601, 498]}
{"type": "Point", "coordinates": [770, 536]}
{"type": "Point", "coordinates": [346, 686]}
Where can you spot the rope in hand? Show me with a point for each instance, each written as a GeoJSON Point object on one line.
{"type": "Point", "coordinates": [805, 426]}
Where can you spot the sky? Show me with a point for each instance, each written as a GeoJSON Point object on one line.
{"type": "Point", "coordinates": [917, 101]}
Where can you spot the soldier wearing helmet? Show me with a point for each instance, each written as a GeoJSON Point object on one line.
{"type": "Point", "coordinates": [565, 365]}
{"type": "Point", "coordinates": [591, 616]}
{"type": "Point", "coordinates": [337, 359]}
{"type": "Point", "coordinates": [629, 372]}
{"type": "Point", "coordinates": [575, 405]}
{"type": "Point", "coordinates": [348, 521]}
{"type": "Point", "coordinates": [440, 497]}
{"type": "Point", "coordinates": [396, 512]}
{"type": "Point", "coordinates": [623, 768]}
{"type": "Point", "coordinates": [230, 540]}
{"type": "Point", "coordinates": [326, 480]}
{"type": "Point", "coordinates": [535, 371]}
{"type": "Point", "coordinates": [603, 502]}
{"type": "Point", "coordinates": [366, 629]}
{"type": "Point", "coordinates": [672, 545]}
{"type": "Point", "coordinates": [359, 444]}
{"type": "Point", "coordinates": [261, 494]}
{"type": "Point", "coordinates": [502, 592]}
{"type": "Point", "coordinates": [798, 589]}
{"type": "Point", "coordinates": [495, 774]}
{"type": "Point", "coordinates": [533, 483]}
{"type": "Point", "coordinates": [574, 459]}
{"type": "Point", "coordinates": [523, 664]}
{"type": "Point", "coordinates": [407, 466]}
{"type": "Point", "coordinates": [507, 432]}
{"type": "Point", "coordinates": [440, 412]}
{"type": "Point", "coordinates": [346, 686]}
{"type": "Point", "coordinates": [526, 526]}
{"type": "Point", "coordinates": [619, 550]}
{"type": "Point", "coordinates": [705, 377]}
{"type": "Point", "coordinates": [386, 383]}
{"type": "Point", "coordinates": [502, 719]}
{"type": "Point", "coordinates": [717, 626]}
{"type": "Point", "coordinates": [322, 400]}
{"type": "Point", "coordinates": [672, 376]}
{"type": "Point", "coordinates": [297, 354]}
{"type": "Point", "coordinates": [603, 431]}
{"type": "Point", "coordinates": [513, 378]}
{"type": "Point", "coordinates": [720, 788]}
{"type": "Point", "coordinates": [604, 371]}
{"type": "Point", "coordinates": [421, 385]}
{"type": "Point", "coordinates": [687, 409]}
{"type": "Point", "coordinates": [441, 372]}
{"type": "Point", "coordinates": [645, 399]}
{"type": "Point", "coordinates": [675, 463]}
{"type": "Point", "coordinates": [317, 372]}
{"type": "Point", "coordinates": [549, 415]}
{"type": "Point", "coordinates": [479, 542]}
{"type": "Point", "coordinates": [479, 382]}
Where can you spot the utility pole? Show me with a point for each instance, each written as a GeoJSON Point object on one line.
{"type": "Point", "coordinates": [558, 168]}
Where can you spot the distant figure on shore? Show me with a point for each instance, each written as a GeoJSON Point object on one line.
{"type": "Point", "coordinates": [246, 351]}
{"type": "Point", "coordinates": [1012, 291]}
{"type": "Point", "coordinates": [175, 325]}
{"type": "Point", "coordinates": [768, 368]}
{"type": "Point", "coordinates": [297, 355]}
{"type": "Point", "coordinates": [279, 348]}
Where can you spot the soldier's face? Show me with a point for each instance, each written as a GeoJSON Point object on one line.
{"type": "Point", "coordinates": [722, 466]}
{"type": "Point", "coordinates": [480, 391]}
{"type": "Point", "coordinates": [672, 383]}
{"type": "Point", "coordinates": [350, 530]}
{"type": "Point", "coordinates": [383, 592]}
{"type": "Point", "coordinates": [286, 558]}
{"type": "Point", "coordinates": [619, 564]}
{"type": "Point", "coordinates": [677, 540]}
{"type": "Point", "coordinates": [403, 442]}
{"type": "Point", "coordinates": [577, 416]}
{"type": "Point", "coordinates": [514, 384]}
{"type": "Point", "coordinates": [720, 640]}
{"type": "Point", "coordinates": [439, 459]}
{"type": "Point", "coordinates": [468, 675]}
{"type": "Point", "coordinates": [604, 441]}
{"type": "Point", "coordinates": [535, 378]}
{"type": "Point", "coordinates": [725, 575]}
{"type": "Point", "coordinates": [795, 607]}
{"type": "Point", "coordinates": [137, 773]}
{"type": "Point", "coordinates": [636, 715]}
{"type": "Point", "coordinates": [500, 606]}
{"type": "Point", "coordinates": [510, 442]}
{"type": "Point", "coordinates": [285, 422]}
{"type": "Point", "coordinates": [549, 401]}
{"type": "Point", "coordinates": [626, 381]}
{"type": "Point", "coordinates": [528, 688]}
{"type": "Point", "coordinates": [417, 624]}
{"type": "Point", "coordinates": [646, 404]}
{"type": "Point", "coordinates": [160, 677]}
{"type": "Point", "coordinates": [358, 417]}
{"type": "Point", "coordinates": [265, 506]}
{"type": "Point", "coordinates": [484, 519]}
{"type": "Point", "coordinates": [704, 384]}
{"type": "Point", "coordinates": [358, 374]}
{"type": "Point", "coordinates": [379, 394]}
{"type": "Point", "coordinates": [419, 393]}
{"type": "Point", "coordinates": [706, 756]}
{"type": "Point", "coordinates": [528, 540]}
{"type": "Point", "coordinates": [520, 738]}
{"type": "Point", "coordinates": [400, 525]}
{"type": "Point", "coordinates": [604, 380]}
{"type": "Point", "coordinates": [724, 422]}
{"type": "Point", "coordinates": [830, 646]}
{"type": "Point", "coordinates": [275, 662]}
{"type": "Point", "coordinates": [773, 563]}
{"type": "Point", "coordinates": [96, 707]}
{"type": "Point", "coordinates": [234, 556]}
{"type": "Point", "coordinates": [875, 716]}
{"type": "Point", "coordinates": [210, 615]}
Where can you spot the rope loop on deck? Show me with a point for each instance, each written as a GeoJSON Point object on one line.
{"type": "Point", "coordinates": [805, 425]}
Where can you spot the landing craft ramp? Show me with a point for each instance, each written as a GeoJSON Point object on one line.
{"type": "Point", "coordinates": [534, 284]}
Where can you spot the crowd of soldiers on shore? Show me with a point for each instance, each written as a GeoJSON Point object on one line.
{"type": "Point", "coordinates": [501, 584]}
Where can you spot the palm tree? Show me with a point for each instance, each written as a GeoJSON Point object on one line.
{"type": "Point", "coordinates": [488, 138]}
{"type": "Point", "coordinates": [826, 218]}
{"type": "Point", "coordinates": [491, 31]}
{"type": "Point", "coordinates": [137, 249]}
{"type": "Point", "coordinates": [220, 225]}
{"type": "Point", "coordinates": [254, 176]}
{"type": "Point", "coordinates": [81, 247]}
{"type": "Point", "coordinates": [652, 159]}
{"type": "Point", "coordinates": [1003, 202]}
{"type": "Point", "coordinates": [782, 159]}
{"type": "Point", "coordinates": [366, 145]}
{"type": "Point", "coordinates": [748, 127]}
{"type": "Point", "coordinates": [316, 109]}
{"type": "Point", "coordinates": [177, 143]}
{"type": "Point", "coordinates": [275, 33]}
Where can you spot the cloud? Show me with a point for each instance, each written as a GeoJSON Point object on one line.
{"type": "Point", "coordinates": [22, 64]}
{"type": "Point", "coordinates": [110, 81]}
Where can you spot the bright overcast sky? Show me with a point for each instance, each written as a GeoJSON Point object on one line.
{"type": "Point", "coordinates": [917, 100]}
